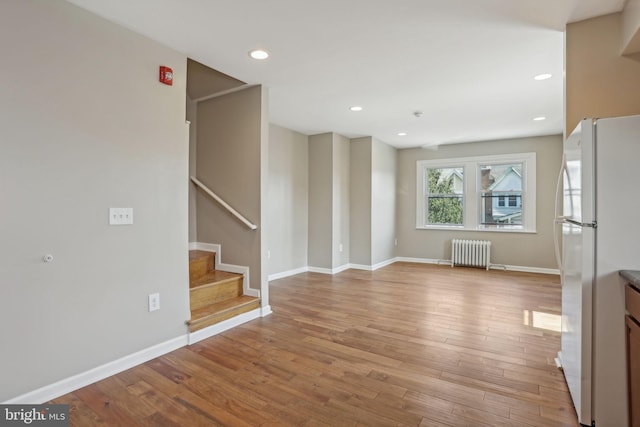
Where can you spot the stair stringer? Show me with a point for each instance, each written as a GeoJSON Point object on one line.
{"type": "Point", "coordinates": [231, 268]}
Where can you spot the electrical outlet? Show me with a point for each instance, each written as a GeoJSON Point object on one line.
{"type": "Point", "coordinates": [120, 216]}
{"type": "Point", "coordinates": [154, 302]}
{"type": "Point", "coordinates": [340, 247]}
{"type": "Point", "coordinates": [268, 254]}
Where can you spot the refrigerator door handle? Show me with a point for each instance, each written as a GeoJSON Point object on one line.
{"type": "Point", "coordinates": [593, 224]}
{"type": "Point", "coordinates": [559, 219]}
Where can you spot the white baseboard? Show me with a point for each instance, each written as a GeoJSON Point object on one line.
{"type": "Point", "coordinates": [329, 270]}
{"type": "Point", "coordinates": [538, 270]}
{"type": "Point", "coordinates": [265, 311]}
{"type": "Point", "coordinates": [372, 267]}
{"type": "Point", "coordinates": [320, 270]}
{"type": "Point", "coordinates": [364, 267]}
{"type": "Point", "coordinates": [284, 274]}
{"type": "Point", "coordinates": [418, 260]}
{"type": "Point", "coordinates": [225, 325]}
{"type": "Point", "coordinates": [67, 385]}
{"type": "Point", "coordinates": [507, 267]}
{"type": "Point", "coordinates": [361, 267]}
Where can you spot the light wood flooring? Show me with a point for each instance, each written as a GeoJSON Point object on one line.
{"type": "Point", "coordinates": [406, 345]}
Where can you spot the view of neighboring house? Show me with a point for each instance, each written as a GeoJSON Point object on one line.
{"type": "Point", "coordinates": [500, 192]}
{"type": "Point", "coordinates": [503, 197]}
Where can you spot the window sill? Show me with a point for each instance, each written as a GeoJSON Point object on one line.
{"type": "Point", "coordinates": [481, 230]}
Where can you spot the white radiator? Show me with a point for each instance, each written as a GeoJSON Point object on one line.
{"type": "Point", "coordinates": [472, 253]}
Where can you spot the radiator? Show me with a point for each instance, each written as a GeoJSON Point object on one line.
{"type": "Point", "coordinates": [472, 253]}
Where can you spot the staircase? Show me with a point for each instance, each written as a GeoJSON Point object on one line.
{"type": "Point", "coordinates": [214, 295]}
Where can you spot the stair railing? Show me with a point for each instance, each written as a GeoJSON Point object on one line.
{"type": "Point", "coordinates": [224, 204]}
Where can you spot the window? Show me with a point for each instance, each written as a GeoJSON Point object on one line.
{"type": "Point", "coordinates": [444, 196]}
{"type": "Point", "coordinates": [489, 193]}
{"type": "Point", "coordinates": [501, 193]}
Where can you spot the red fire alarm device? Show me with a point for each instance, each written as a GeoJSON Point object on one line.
{"type": "Point", "coordinates": [166, 75]}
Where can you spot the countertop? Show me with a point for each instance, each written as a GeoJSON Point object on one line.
{"type": "Point", "coordinates": [632, 276]}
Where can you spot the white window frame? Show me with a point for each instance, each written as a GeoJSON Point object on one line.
{"type": "Point", "coordinates": [471, 192]}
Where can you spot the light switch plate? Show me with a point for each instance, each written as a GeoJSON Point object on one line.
{"type": "Point", "coordinates": [154, 302]}
{"type": "Point", "coordinates": [120, 216]}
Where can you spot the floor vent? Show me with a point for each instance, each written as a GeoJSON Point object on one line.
{"type": "Point", "coordinates": [471, 253]}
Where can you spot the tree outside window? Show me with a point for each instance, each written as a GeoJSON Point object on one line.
{"type": "Point", "coordinates": [445, 196]}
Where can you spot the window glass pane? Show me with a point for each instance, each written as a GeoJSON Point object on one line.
{"type": "Point", "coordinates": [501, 194]}
{"type": "Point", "coordinates": [445, 191]}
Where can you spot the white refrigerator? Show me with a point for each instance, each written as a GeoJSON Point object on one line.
{"type": "Point", "coordinates": [600, 228]}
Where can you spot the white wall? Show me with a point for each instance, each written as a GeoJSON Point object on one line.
{"type": "Point", "coordinates": [84, 126]}
{"type": "Point", "coordinates": [516, 249]}
{"type": "Point", "coordinates": [288, 200]}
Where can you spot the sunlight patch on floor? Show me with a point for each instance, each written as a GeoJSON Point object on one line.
{"type": "Point", "coordinates": [542, 320]}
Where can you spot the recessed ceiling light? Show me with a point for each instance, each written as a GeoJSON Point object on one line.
{"type": "Point", "coordinates": [539, 119]}
{"type": "Point", "coordinates": [259, 54]}
{"type": "Point", "coordinates": [402, 134]}
{"type": "Point", "coordinates": [355, 108]}
{"type": "Point", "coordinates": [542, 76]}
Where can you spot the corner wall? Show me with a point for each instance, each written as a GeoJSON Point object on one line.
{"type": "Point", "coordinates": [372, 202]}
{"type": "Point", "coordinates": [383, 202]}
{"type": "Point", "coordinates": [328, 201]}
{"type": "Point", "coordinates": [340, 245]}
{"type": "Point", "coordinates": [321, 201]}
{"type": "Point", "coordinates": [360, 195]}
{"type": "Point", "coordinates": [85, 126]}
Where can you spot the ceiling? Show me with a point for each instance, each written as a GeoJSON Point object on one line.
{"type": "Point", "coordinates": [467, 65]}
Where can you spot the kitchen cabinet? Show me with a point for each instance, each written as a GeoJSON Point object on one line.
{"type": "Point", "coordinates": [632, 321]}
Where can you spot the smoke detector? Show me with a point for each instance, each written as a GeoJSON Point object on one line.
{"type": "Point", "coordinates": [418, 113]}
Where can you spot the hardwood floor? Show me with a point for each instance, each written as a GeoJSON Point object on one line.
{"type": "Point", "coordinates": [406, 345]}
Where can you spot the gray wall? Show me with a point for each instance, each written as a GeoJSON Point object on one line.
{"type": "Point", "coordinates": [320, 200]}
{"type": "Point", "coordinates": [360, 195]}
{"type": "Point", "coordinates": [288, 200]}
{"type": "Point", "coordinates": [192, 116]}
{"type": "Point", "coordinates": [340, 246]}
{"type": "Point", "coordinates": [383, 202]}
{"type": "Point", "coordinates": [229, 161]}
{"type": "Point", "coordinates": [520, 249]}
{"type": "Point", "coordinates": [84, 126]}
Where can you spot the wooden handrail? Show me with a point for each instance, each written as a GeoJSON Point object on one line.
{"type": "Point", "coordinates": [224, 204]}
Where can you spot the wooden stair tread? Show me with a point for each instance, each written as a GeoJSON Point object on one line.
{"type": "Point", "coordinates": [214, 278]}
{"type": "Point", "coordinates": [215, 313]}
{"type": "Point", "coordinates": [222, 306]}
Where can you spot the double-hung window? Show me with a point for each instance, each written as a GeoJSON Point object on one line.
{"type": "Point", "coordinates": [487, 193]}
